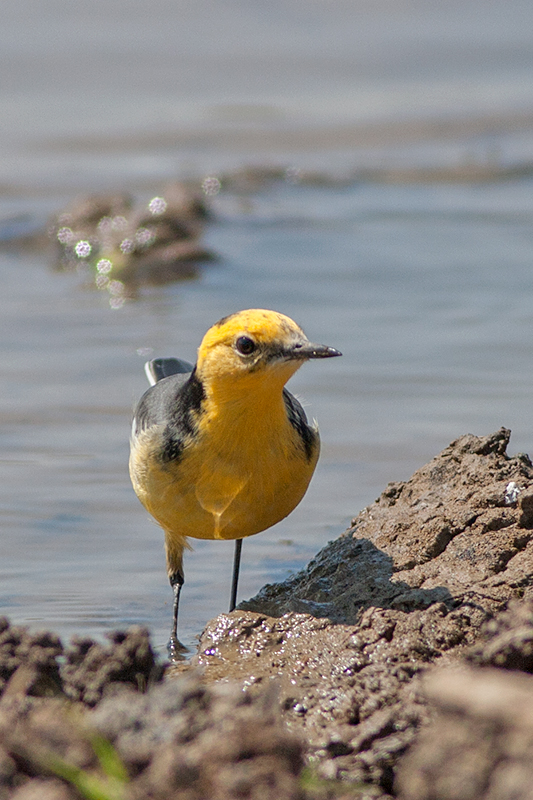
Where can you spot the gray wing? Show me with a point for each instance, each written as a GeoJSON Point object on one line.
{"type": "Point", "coordinates": [158, 404]}
{"type": "Point", "coordinates": [172, 405]}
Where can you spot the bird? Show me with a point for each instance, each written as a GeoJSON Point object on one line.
{"type": "Point", "coordinates": [221, 449]}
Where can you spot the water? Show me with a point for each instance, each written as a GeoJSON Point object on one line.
{"type": "Point", "coordinates": [426, 288]}
{"type": "Point", "coordinates": [100, 91]}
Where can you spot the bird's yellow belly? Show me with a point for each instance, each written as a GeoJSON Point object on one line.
{"type": "Point", "coordinates": [205, 495]}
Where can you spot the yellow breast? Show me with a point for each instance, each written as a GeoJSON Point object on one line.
{"type": "Point", "coordinates": [244, 471]}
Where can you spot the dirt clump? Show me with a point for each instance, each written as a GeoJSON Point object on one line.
{"type": "Point", "coordinates": [179, 740]}
{"type": "Point", "coordinates": [200, 741]}
{"type": "Point", "coordinates": [479, 744]}
{"type": "Point", "coordinates": [459, 530]}
{"type": "Point", "coordinates": [28, 662]}
{"type": "Point", "coordinates": [37, 665]}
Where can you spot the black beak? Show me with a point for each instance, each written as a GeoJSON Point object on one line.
{"type": "Point", "coordinates": [310, 350]}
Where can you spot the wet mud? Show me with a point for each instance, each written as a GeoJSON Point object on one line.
{"type": "Point", "coordinates": [398, 663]}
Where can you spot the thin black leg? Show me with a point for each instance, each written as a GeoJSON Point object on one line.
{"type": "Point", "coordinates": [236, 567]}
{"type": "Point", "coordinates": [175, 647]}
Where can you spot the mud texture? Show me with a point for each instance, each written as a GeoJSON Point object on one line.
{"type": "Point", "coordinates": [37, 665]}
{"type": "Point", "coordinates": [479, 743]}
{"type": "Point", "coordinates": [480, 740]}
{"type": "Point", "coordinates": [413, 581]}
{"type": "Point", "coordinates": [395, 665]}
{"type": "Point", "coordinates": [181, 739]}
{"type": "Point", "coordinates": [459, 530]}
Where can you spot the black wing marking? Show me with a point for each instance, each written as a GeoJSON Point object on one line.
{"type": "Point", "coordinates": [173, 404]}
{"type": "Point", "coordinates": [298, 420]}
{"type": "Point", "coordinates": [183, 418]}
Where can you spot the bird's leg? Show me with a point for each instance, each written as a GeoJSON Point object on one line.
{"type": "Point", "coordinates": [174, 550]}
{"type": "Point", "coordinates": [175, 647]}
{"type": "Point", "coordinates": [236, 567]}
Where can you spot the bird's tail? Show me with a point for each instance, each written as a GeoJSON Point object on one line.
{"type": "Point", "coordinates": [161, 368]}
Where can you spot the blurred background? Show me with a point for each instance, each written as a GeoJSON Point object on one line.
{"type": "Point", "coordinates": [364, 166]}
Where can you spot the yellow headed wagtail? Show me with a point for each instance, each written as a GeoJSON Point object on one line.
{"type": "Point", "coordinates": [222, 450]}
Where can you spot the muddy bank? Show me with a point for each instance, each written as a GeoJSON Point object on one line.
{"type": "Point", "coordinates": [413, 581]}
{"type": "Point", "coordinates": [351, 679]}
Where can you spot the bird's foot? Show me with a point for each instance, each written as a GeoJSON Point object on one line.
{"type": "Point", "coordinates": [176, 650]}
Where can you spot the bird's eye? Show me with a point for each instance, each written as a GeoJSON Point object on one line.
{"type": "Point", "coordinates": [245, 345]}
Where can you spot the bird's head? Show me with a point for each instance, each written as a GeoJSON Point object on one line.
{"type": "Point", "coordinates": [254, 345]}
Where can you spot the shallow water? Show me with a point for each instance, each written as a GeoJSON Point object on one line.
{"type": "Point", "coordinates": [427, 292]}
{"type": "Point", "coordinates": [100, 91]}
{"type": "Point", "coordinates": [426, 289]}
